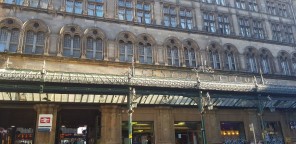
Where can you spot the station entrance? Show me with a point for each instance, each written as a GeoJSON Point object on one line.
{"type": "Point", "coordinates": [78, 126]}
{"type": "Point", "coordinates": [17, 125]}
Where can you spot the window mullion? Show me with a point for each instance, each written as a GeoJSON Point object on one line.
{"type": "Point", "coordinates": [94, 48]}
{"type": "Point", "coordinates": [34, 43]}
{"type": "Point", "coordinates": [8, 40]}
{"type": "Point", "coordinates": [72, 46]}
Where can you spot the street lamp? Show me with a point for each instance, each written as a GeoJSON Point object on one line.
{"type": "Point", "coordinates": [262, 104]}
{"type": "Point", "coordinates": [203, 102]}
{"type": "Point", "coordinates": [130, 103]}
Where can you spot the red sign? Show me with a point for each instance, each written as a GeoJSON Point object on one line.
{"type": "Point", "coordinates": [45, 120]}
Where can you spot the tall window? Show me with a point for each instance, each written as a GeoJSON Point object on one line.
{"type": "Point", "coordinates": [277, 8]}
{"type": "Point", "coordinates": [251, 60]}
{"type": "Point", "coordinates": [185, 18]}
{"type": "Point", "coordinates": [17, 2]}
{"type": "Point", "coordinates": [220, 2]}
{"type": "Point", "coordinates": [230, 58]}
{"type": "Point", "coordinates": [265, 61]}
{"type": "Point", "coordinates": [189, 55]}
{"type": "Point", "coordinates": [214, 57]}
{"type": "Point", "coordinates": [245, 29]}
{"type": "Point", "coordinates": [34, 43]}
{"type": "Point", "coordinates": [224, 24]}
{"type": "Point", "coordinates": [258, 30]}
{"type": "Point", "coordinates": [170, 16]}
{"type": "Point", "coordinates": [143, 12]}
{"type": "Point", "coordinates": [271, 9]}
{"type": "Point", "coordinates": [209, 22]}
{"type": "Point", "coordinates": [38, 3]}
{"type": "Point", "coordinates": [125, 10]}
{"type": "Point", "coordinates": [282, 33]}
{"type": "Point", "coordinates": [288, 34]}
{"type": "Point", "coordinates": [253, 5]}
{"type": "Point", "coordinates": [94, 49]}
{"type": "Point", "coordinates": [126, 51]}
{"type": "Point", "coordinates": [282, 10]}
{"type": "Point", "coordinates": [284, 63]}
{"type": "Point", "coordinates": [74, 6]}
{"type": "Point", "coordinates": [95, 8]}
{"type": "Point", "coordinates": [145, 53]}
{"type": "Point", "coordinates": [276, 32]}
{"type": "Point", "coordinates": [9, 39]}
{"type": "Point", "coordinates": [208, 1]}
{"type": "Point", "coordinates": [71, 46]}
{"type": "Point", "coordinates": [240, 4]}
{"type": "Point", "coordinates": [173, 54]}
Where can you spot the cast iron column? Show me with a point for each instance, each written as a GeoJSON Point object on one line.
{"type": "Point", "coordinates": [201, 110]}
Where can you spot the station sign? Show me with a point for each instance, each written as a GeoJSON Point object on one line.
{"type": "Point", "coordinates": [44, 122]}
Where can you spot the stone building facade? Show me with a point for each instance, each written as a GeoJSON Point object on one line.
{"type": "Point", "coordinates": [62, 48]}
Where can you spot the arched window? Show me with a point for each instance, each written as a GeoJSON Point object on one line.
{"type": "Point", "coordinates": [284, 63]}
{"type": "Point", "coordinates": [94, 48]}
{"type": "Point", "coordinates": [9, 35]}
{"type": "Point", "coordinates": [145, 53]}
{"type": "Point", "coordinates": [251, 60]}
{"type": "Point", "coordinates": [126, 51]}
{"type": "Point", "coordinates": [71, 46]}
{"type": "Point", "coordinates": [34, 43]}
{"type": "Point", "coordinates": [265, 61]}
{"type": "Point", "coordinates": [230, 60]}
{"type": "Point", "coordinates": [173, 53]}
{"type": "Point", "coordinates": [214, 57]}
{"type": "Point", "coordinates": [189, 54]}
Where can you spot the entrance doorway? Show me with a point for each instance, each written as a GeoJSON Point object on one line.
{"type": "Point", "coordinates": [17, 125]}
{"type": "Point", "coordinates": [78, 126]}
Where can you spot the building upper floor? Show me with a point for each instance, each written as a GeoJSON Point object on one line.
{"type": "Point", "coordinates": [257, 20]}
{"type": "Point", "coordinates": [119, 43]}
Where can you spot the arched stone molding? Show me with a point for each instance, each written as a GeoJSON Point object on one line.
{"type": "Point", "coordinates": [265, 54]}
{"type": "Point", "coordinates": [230, 49]}
{"type": "Point", "coordinates": [146, 39]}
{"type": "Point", "coordinates": [95, 33]}
{"type": "Point", "coordinates": [12, 25]}
{"type": "Point", "coordinates": [293, 60]}
{"type": "Point", "coordinates": [124, 37]}
{"type": "Point", "coordinates": [189, 44]}
{"type": "Point", "coordinates": [213, 56]}
{"type": "Point", "coordinates": [35, 25]}
{"type": "Point", "coordinates": [284, 60]}
{"type": "Point", "coordinates": [171, 43]}
{"type": "Point", "coordinates": [72, 30]}
{"type": "Point", "coordinates": [251, 59]}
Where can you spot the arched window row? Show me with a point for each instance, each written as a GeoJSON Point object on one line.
{"type": "Point", "coordinates": [32, 37]}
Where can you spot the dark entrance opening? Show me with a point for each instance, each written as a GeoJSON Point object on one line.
{"type": "Point", "coordinates": [17, 125]}
{"type": "Point", "coordinates": [78, 126]}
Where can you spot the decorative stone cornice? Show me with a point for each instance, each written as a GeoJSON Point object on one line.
{"type": "Point", "coordinates": [103, 79]}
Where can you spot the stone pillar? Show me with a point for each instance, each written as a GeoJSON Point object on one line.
{"type": "Point", "coordinates": [157, 13]}
{"type": "Point", "coordinates": [212, 125]}
{"type": "Point", "coordinates": [111, 125]}
{"type": "Point", "coordinates": [198, 16]}
{"type": "Point", "coordinates": [252, 117]}
{"type": "Point", "coordinates": [164, 126]}
{"type": "Point", "coordinates": [236, 29]}
{"type": "Point", "coordinates": [110, 9]}
{"type": "Point", "coordinates": [46, 137]}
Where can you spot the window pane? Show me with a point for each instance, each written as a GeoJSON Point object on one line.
{"type": "Point", "coordinates": [43, 3]}
{"type": "Point", "coordinates": [78, 7]}
{"type": "Point", "coordinates": [76, 46]}
{"type": "Point", "coordinates": [40, 43]}
{"type": "Point", "coordinates": [3, 39]}
{"type": "Point", "coordinates": [69, 6]}
{"type": "Point", "coordinates": [34, 3]}
{"type": "Point", "coordinates": [29, 42]}
{"type": "Point", "coordinates": [14, 40]}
